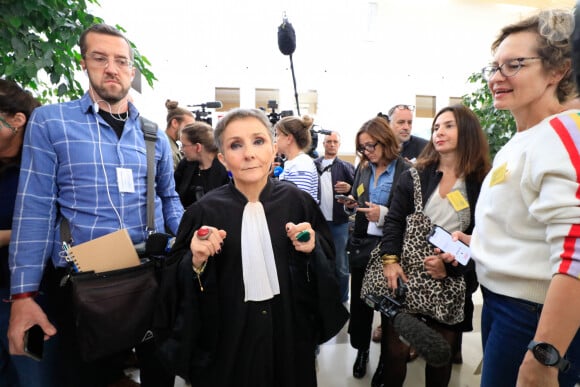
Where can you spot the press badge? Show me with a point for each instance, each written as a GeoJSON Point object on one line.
{"type": "Point", "coordinates": [360, 190]}
{"type": "Point", "coordinates": [499, 175]}
{"type": "Point", "coordinates": [457, 200]}
{"type": "Point", "coordinates": [125, 180]}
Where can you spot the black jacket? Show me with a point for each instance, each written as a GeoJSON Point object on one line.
{"type": "Point", "coordinates": [402, 205]}
{"type": "Point", "coordinates": [413, 147]}
{"type": "Point", "coordinates": [340, 170]}
{"type": "Point", "coordinates": [191, 183]}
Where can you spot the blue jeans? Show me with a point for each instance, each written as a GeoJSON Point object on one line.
{"type": "Point", "coordinates": [340, 235]}
{"type": "Point", "coordinates": [22, 371]}
{"type": "Point", "coordinates": [507, 326]}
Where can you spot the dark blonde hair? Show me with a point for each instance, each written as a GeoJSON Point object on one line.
{"type": "Point", "coordinates": [176, 112]}
{"type": "Point", "coordinates": [472, 147]}
{"type": "Point", "coordinates": [555, 53]}
{"type": "Point", "coordinates": [380, 130]}
{"type": "Point", "coordinates": [299, 128]}
{"type": "Point", "coordinates": [200, 132]}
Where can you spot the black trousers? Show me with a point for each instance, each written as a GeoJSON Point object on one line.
{"type": "Point", "coordinates": [361, 315]}
{"type": "Point", "coordinates": [73, 370]}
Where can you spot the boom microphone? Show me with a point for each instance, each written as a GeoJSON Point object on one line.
{"type": "Point", "coordinates": [209, 105]}
{"type": "Point", "coordinates": [429, 344]}
{"type": "Point", "coordinates": [286, 37]}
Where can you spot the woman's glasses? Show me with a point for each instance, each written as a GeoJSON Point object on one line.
{"type": "Point", "coordinates": [367, 147]}
{"type": "Point", "coordinates": [508, 69]}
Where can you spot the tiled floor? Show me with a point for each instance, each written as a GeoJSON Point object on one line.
{"type": "Point", "coordinates": [337, 357]}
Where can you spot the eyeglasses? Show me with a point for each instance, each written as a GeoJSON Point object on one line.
{"type": "Point", "coordinates": [102, 61]}
{"type": "Point", "coordinates": [7, 125]}
{"type": "Point", "coordinates": [508, 69]}
{"type": "Point", "coordinates": [402, 107]}
{"type": "Point", "coordinates": [367, 147]}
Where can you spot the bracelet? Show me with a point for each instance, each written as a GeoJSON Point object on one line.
{"type": "Point", "coordinates": [199, 272]}
{"type": "Point", "coordinates": [21, 296]}
{"type": "Point", "coordinates": [388, 259]}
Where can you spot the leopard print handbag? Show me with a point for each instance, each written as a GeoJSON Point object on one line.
{"type": "Point", "coordinates": [443, 299]}
{"type": "Point", "coordinates": [374, 282]}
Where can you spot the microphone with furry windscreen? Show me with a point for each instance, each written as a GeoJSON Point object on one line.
{"type": "Point", "coordinates": [287, 45]}
{"type": "Point", "coordinates": [286, 37]}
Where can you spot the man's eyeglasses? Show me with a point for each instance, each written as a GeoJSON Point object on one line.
{"type": "Point", "coordinates": [367, 147]}
{"type": "Point", "coordinates": [102, 61]}
{"type": "Point", "coordinates": [7, 125]}
{"type": "Point", "coordinates": [402, 107]}
{"type": "Point", "coordinates": [508, 69]}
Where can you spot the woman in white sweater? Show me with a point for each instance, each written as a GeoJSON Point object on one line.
{"type": "Point", "coordinates": [526, 242]}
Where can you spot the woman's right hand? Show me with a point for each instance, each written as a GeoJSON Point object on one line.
{"type": "Point", "coordinates": [350, 203]}
{"type": "Point", "coordinates": [392, 272]}
{"type": "Point", "coordinates": [203, 247]}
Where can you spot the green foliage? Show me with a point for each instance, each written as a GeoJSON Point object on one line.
{"type": "Point", "coordinates": [499, 125]}
{"type": "Point", "coordinates": [39, 43]}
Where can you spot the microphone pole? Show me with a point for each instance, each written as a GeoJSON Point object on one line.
{"type": "Point", "coordinates": [287, 45]}
{"type": "Point", "coordinates": [294, 81]}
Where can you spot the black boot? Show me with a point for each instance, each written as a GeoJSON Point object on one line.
{"type": "Point", "coordinates": [377, 380]}
{"type": "Point", "coordinates": [359, 369]}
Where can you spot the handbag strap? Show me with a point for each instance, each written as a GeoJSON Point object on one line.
{"type": "Point", "coordinates": [417, 196]}
{"type": "Point", "coordinates": [150, 134]}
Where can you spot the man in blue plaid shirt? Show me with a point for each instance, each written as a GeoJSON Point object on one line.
{"type": "Point", "coordinates": [84, 161]}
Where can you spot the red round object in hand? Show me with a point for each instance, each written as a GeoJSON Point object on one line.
{"type": "Point", "coordinates": [203, 233]}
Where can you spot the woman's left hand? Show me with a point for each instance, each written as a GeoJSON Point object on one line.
{"type": "Point", "coordinates": [435, 267]}
{"type": "Point", "coordinates": [302, 236]}
{"type": "Point", "coordinates": [372, 212]}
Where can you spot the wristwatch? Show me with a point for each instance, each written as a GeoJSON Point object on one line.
{"type": "Point", "coordinates": [548, 355]}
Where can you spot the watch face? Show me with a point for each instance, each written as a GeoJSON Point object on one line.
{"type": "Point", "coordinates": [546, 354]}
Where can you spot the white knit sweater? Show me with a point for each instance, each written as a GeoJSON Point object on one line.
{"type": "Point", "coordinates": [527, 224]}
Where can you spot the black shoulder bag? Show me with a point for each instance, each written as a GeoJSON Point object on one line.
{"type": "Point", "coordinates": [113, 310]}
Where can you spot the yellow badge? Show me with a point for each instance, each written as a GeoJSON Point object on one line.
{"type": "Point", "coordinates": [457, 200]}
{"type": "Point", "coordinates": [499, 175]}
{"type": "Point", "coordinates": [360, 190]}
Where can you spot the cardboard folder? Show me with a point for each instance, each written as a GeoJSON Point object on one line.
{"type": "Point", "coordinates": [109, 252]}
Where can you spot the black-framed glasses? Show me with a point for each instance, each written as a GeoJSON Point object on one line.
{"type": "Point", "coordinates": [402, 107]}
{"type": "Point", "coordinates": [508, 69]}
{"type": "Point", "coordinates": [102, 61]}
{"type": "Point", "coordinates": [367, 147]}
{"type": "Point", "coordinates": [5, 123]}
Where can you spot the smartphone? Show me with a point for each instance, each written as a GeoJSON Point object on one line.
{"type": "Point", "coordinates": [441, 238]}
{"type": "Point", "coordinates": [345, 198]}
{"type": "Point", "coordinates": [34, 342]}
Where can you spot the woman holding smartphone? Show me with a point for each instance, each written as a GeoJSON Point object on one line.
{"type": "Point", "coordinates": [380, 167]}
{"type": "Point", "coordinates": [451, 169]}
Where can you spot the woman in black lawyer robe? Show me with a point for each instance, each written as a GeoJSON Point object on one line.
{"type": "Point", "coordinates": [251, 302]}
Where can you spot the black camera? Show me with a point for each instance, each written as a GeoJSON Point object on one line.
{"type": "Point", "coordinates": [202, 114]}
{"type": "Point", "coordinates": [387, 305]}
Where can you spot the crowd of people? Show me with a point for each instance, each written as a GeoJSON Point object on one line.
{"type": "Point", "coordinates": [262, 275]}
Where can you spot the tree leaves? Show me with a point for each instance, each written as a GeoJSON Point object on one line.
{"type": "Point", "coordinates": [40, 37]}
{"type": "Point", "coordinates": [499, 125]}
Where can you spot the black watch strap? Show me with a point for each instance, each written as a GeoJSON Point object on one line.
{"type": "Point", "coordinates": [548, 355]}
